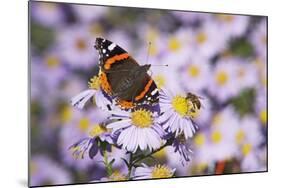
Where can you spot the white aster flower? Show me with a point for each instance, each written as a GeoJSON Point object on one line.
{"type": "Point", "coordinates": [76, 45]}
{"type": "Point", "coordinates": [137, 130]}
{"type": "Point", "coordinates": [80, 100]}
{"type": "Point", "coordinates": [157, 171]}
{"type": "Point", "coordinates": [177, 112]}
{"type": "Point", "coordinates": [224, 82]}
{"type": "Point", "coordinates": [195, 74]}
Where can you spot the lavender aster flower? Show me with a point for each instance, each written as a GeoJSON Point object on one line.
{"type": "Point", "coordinates": [137, 130]}
{"type": "Point", "coordinates": [177, 111]}
{"type": "Point", "coordinates": [182, 147]}
{"type": "Point", "coordinates": [157, 171]}
{"type": "Point", "coordinates": [98, 141]}
{"type": "Point", "coordinates": [80, 99]}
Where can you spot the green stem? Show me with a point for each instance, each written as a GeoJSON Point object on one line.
{"type": "Point", "coordinates": [130, 166]}
{"type": "Point", "coordinates": [107, 165]}
{"type": "Point", "coordinates": [148, 155]}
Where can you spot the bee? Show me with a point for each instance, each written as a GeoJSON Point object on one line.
{"type": "Point", "coordinates": [195, 100]}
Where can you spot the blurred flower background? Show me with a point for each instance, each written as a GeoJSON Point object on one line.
{"type": "Point", "coordinates": [220, 57]}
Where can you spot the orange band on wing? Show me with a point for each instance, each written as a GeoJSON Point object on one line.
{"type": "Point", "coordinates": [115, 58]}
{"type": "Point", "coordinates": [125, 104]}
{"type": "Point", "coordinates": [104, 83]}
{"type": "Point", "coordinates": [141, 95]}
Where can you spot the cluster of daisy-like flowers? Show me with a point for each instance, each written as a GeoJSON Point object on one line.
{"type": "Point", "coordinates": [220, 57]}
{"type": "Point", "coordinates": [141, 131]}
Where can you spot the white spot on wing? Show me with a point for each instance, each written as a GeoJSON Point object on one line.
{"type": "Point", "coordinates": [111, 46]}
{"type": "Point", "coordinates": [154, 91]}
{"type": "Point", "coordinates": [103, 51]}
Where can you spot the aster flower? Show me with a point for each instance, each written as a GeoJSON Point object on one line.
{"type": "Point", "coordinates": [98, 141]}
{"type": "Point", "coordinates": [177, 113]}
{"type": "Point", "coordinates": [87, 13]}
{"type": "Point", "coordinates": [182, 147]}
{"type": "Point", "coordinates": [195, 74]}
{"type": "Point", "coordinates": [49, 14]}
{"type": "Point", "coordinates": [44, 169]}
{"type": "Point", "coordinates": [137, 130]}
{"type": "Point", "coordinates": [75, 44]}
{"type": "Point", "coordinates": [224, 82]}
{"type": "Point", "coordinates": [116, 175]}
{"type": "Point", "coordinates": [94, 90]}
{"type": "Point", "coordinates": [157, 171]}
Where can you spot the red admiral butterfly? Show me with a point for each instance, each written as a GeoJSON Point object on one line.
{"type": "Point", "coordinates": [122, 78]}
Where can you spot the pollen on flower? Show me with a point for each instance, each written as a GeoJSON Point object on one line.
{"type": "Point", "coordinates": [160, 81]}
{"type": "Point", "coordinates": [246, 149]}
{"type": "Point", "coordinates": [216, 137]}
{"type": "Point", "coordinates": [161, 171]}
{"type": "Point", "coordinates": [199, 139]}
{"type": "Point", "coordinates": [94, 82]}
{"type": "Point", "coordinates": [81, 44]}
{"type": "Point", "coordinates": [65, 114]}
{"type": "Point", "coordinates": [226, 18]}
{"type": "Point", "coordinates": [182, 106]}
{"type": "Point", "coordinates": [84, 124]}
{"type": "Point", "coordinates": [174, 44]}
{"type": "Point", "coordinates": [193, 71]}
{"type": "Point", "coordinates": [117, 176]}
{"type": "Point", "coordinates": [240, 136]}
{"type": "Point", "coordinates": [142, 118]}
{"type": "Point", "coordinates": [221, 78]}
{"type": "Point", "coordinates": [263, 116]}
{"type": "Point", "coordinates": [97, 130]}
{"type": "Point", "coordinates": [201, 37]}
{"type": "Point", "coordinates": [52, 61]}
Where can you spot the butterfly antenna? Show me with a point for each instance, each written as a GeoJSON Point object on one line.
{"type": "Point", "coordinates": [148, 50]}
{"type": "Point", "coordinates": [147, 57]}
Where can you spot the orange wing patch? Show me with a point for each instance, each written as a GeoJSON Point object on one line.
{"type": "Point", "coordinates": [104, 83]}
{"type": "Point", "coordinates": [125, 104]}
{"type": "Point", "coordinates": [146, 88]}
{"type": "Point", "coordinates": [115, 58]}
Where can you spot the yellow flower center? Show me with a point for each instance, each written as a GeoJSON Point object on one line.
{"type": "Point", "coordinates": [221, 78]}
{"type": "Point", "coordinates": [84, 124]}
{"type": "Point", "coordinates": [174, 44]}
{"type": "Point", "coordinates": [199, 139]}
{"type": "Point", "coordinates": [216, 137]}
{"type": "Point", "coordinates": [193, 71]}
{"type": "Point", "coordinates": [246, 149]}
{"type": "Point", "coordinates": [263, 116]}
{"type": "Point", "coordinates": [217, 119]}
{"type": "Point", "coordinates": [161, 171]}
{"type": "Point", "coordinates": [160, 81]}
{"type": "Point", "coordinates": [142, 118]}
{"type": "Point", "coordinates": [97, 130]}
{"type": "Point", "coordinates": [183, 106]}
{"type": "Point", "coordinates": [65, 114]}
{"type": "Point", "coordinates": [52, 61]}
{"type": "Point", "coordinates": [240, 136]}
{"type": "Point", "coordinates": [94, 82]}
{"type": "Point", "coordinates": [81, 44]}
{"type": "Point", "coordinates": [201, 37]}
{"type": "Point", "coordinates": [160, 154]}
{"type": "Point", "coordinates": [226, 18]}
{"type": "Point", "coordinates": [117, 176]}
{"type": "Point", "coordinates": [96, 29]}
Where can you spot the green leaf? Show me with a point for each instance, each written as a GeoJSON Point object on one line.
{"type": "Point", "coordinates": [243, 103]}
{"type": "Point", "coordinates": [241, 47]}
{"type": "Point", "coordinates": [41, 37]}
